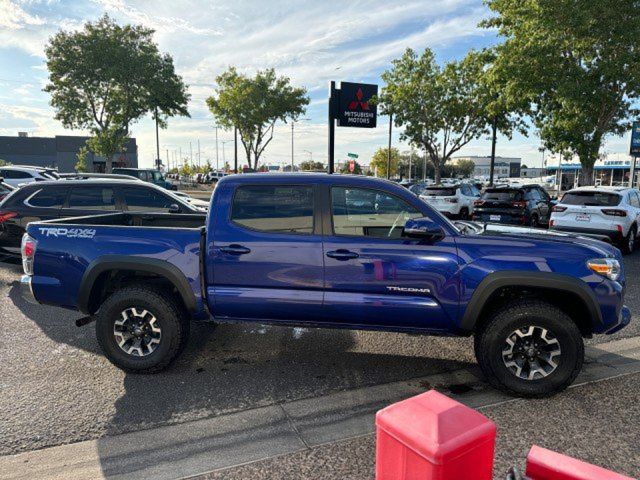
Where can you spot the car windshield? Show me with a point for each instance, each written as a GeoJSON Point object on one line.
{"type": "Point", "coordinates": [440, 191]}
{"type": "Point", "coordinates": [418, 188]}
{"type": "Point", "coordinates": [591, 199]}
{"type": "Point", "coordinates": [502, 195]}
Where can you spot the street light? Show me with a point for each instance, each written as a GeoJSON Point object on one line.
{"type": "Point", "coordinates": [293, 122]}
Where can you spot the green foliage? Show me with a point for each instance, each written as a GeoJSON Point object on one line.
{"type": "Point", "coordinates": [310, 166]}
{"type": "Point", "coordinates": [441, 108]}
{"type": "Point", "coordinates": [576, 63]}
{"type": "Point", "coordinates": [379, 162]}
{"type": "Point", "coordinates": [81, 164]}
{"type": "Point", "coordinates": [4, 163]}
{"type": "Point", "coordinates": [106, 76]}
{"type": "Point", "coordinates": [357, 168]}
{"type": "Point", "coordinates": [253, 105]}
{"type": "Point", "coordinates": [464, 168]}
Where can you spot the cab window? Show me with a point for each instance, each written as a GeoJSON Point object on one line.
{"type": "Point", "coordinates": [369, 213]}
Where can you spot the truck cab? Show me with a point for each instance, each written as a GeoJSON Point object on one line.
{"type": "Point", "coordinates": [333, 251]}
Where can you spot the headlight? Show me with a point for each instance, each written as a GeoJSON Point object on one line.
{"type": "Point", "coordinates": [607, 267]}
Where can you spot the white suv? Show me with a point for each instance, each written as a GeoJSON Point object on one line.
{"type": "Point", "coordinates": [453, 201]}
{"type": "Point", "coordinates": [19, 175]}
{"type": "Point", "coordinates": [603, 211]}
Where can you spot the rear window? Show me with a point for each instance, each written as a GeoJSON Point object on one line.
{"type": "Point", "coordinates": [502, 195]}
{"type": "Point", "coordinates": [591, 199]}
{"type": "Point", "coordinates": [274, 208]}
{"type": "Point", "coordinates": [48, 198]}
{"type": "Point", "coordinates": [440, 192]}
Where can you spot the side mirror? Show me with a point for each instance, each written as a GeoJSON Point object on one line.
{"type": "Point", "coordinates": [423, 228]}
{"type": "Point", "coordinates": [174, 208]}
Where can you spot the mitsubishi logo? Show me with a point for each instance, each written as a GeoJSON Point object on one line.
{"type": "Point", "coordinates": [358, 101]}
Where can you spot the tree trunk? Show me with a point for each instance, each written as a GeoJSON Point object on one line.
{"type": "Point", "coordinates": [437, 173]}
{"type": "Point", "coordinates": [586, 176]}
{"type": "Point", "coordinates": [108, 166]}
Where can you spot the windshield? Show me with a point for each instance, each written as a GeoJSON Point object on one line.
{"type": "Point", "coordinates": [502, 195]}
{"type": "Point", "coordinates": [418, 188]}
{"type": "Point", "coordinates": [157, 176]}
{"type": "Point", "coordinates": [591, 199]}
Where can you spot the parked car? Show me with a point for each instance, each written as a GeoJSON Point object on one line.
{"type": "Point", "coordinates": [455, 201]}
{"type": "Point", "coordinates": [420, 187]}
{"type": "Point", "coordinates": [610, 211]}
{"type": "Point", "coordinates": [17, 175]}
{"type": "Point", "coordinates": [527, 205]}
{"type": "Point", "coordinates": [196, 202]}
{"type": "Point", "coordinates": [337, 251]}
{"type": "Point", "coordinates": [213, 177]}
{"type": "Point", "coordinates": [146, 175]}
{"type": "Point", "coordinates": [5, 189]}
{"type": "Point", "coordinates": [72, 198]}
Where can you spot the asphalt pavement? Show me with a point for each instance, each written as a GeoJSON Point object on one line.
{"type": "Point", "coordinates": [57, 388]}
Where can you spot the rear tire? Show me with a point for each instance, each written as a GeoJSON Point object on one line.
{"type": "Point", "coordinates": [530, 348]}
{"type": "Point", "coordinates": [139, 342]}
{"type": "Point", "coordinates": [628, 243]}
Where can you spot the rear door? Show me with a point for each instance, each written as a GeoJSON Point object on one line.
{"type": "Point", "coordinates": [266, 253]}
{"type": "Point", "coordinates": [374, 276]}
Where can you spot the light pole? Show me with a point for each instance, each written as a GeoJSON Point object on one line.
{"type": "Point", "coordinates": [293, 122]}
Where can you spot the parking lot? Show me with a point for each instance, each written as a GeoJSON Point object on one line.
{"type": "Point", "coordinates": [57, 388]}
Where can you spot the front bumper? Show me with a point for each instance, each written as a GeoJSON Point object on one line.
{"type": "Point", "coordinates": [623, 320]}
{"type": "Point", "coordinates": [610, 236]}
{"type": "Point", "coordinates": [26, 292]}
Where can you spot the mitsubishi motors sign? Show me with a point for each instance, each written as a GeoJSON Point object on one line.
{"type": "Point", "coordinates": [354, 107]}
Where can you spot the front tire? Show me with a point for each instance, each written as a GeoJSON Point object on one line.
{"type": "Point", "coordinates": [141, 330]}
{"type": "Point", "coordinates": [530, 348]}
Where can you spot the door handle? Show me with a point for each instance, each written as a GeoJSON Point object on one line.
{"type": "Point", "coordinates": [235, 249]}
{"type": "Point", "coordinates": [342, 254]}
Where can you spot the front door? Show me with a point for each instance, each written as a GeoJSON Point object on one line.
{"type": "Point", "coordinates": [266, 257]}
{"type": "Point", "coordinates": [375, 277]}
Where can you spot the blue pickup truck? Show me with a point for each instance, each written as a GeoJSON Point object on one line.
{"type": "Point", "coordinates": [336, 251]}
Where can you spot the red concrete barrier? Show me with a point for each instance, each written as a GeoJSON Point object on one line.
{"type": "Point", "coordinates": [431, 437]}
{"type": "Point", "coordinates": [543, 464]}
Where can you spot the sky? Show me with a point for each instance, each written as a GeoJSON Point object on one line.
{"type": "Point", "coordinates": [311, 42]}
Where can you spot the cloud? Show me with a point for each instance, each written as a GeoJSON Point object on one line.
{"type": "Point", "coordinates": [13, 17]}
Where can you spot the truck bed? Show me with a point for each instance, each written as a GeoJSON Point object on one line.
{"type": "Point", "coordinates": [124, 219]}
{"type": "Point", "coordinates": [70, 250]}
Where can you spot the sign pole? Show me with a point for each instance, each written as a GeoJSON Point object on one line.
{"type": "Point", "coordinates": [389, 150]}
{"type": "Point", "coordinates": [632, 172]}
{"type": "Point", "coordinates": [332, 126]}
{"type": "Point", "coordinates": [235, 149]}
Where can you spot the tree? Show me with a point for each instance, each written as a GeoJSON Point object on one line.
{"type": "Point", "coordinates": [357, 168]}
{"type": "Point", "coordinates": [310, 166]}
{"type": "Point", "coordinates": [379, 162]}
{"type": "Point", "coordinates": [464, 168]}
{"type": "Point", "coordinates": [105, 77]}
{"type": "Point", "coordinates": [4, 163]}
{"type": "Point", "coordinates": [254, 105]}
{"type": "Point", "coordinates": [81, 165]}
{"type": "Point", "coordinates": [439, 107]}
{"type": "Point", "coordinates": [577, 64]}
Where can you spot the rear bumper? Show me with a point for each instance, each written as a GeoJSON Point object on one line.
{"type": "Point", "coordinates": [26, 291]}
{"type": "Point", "coordinates": [623, 320]}
{"type": "Point", "coordinates": [613, 236]}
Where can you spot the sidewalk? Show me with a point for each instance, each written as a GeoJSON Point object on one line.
{"type": "Point", "coordinates": [331, 436]}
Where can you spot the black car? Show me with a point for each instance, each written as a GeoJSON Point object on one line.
{"type": "Point", "coordinates": [528, 205]}
{"type": "Point", "coordinates": [5, 189]}
{"type": "Point", "coordinates": [74, 198]}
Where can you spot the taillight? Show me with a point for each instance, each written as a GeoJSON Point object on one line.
{"type": "Point", "coordinates": [518, 204]}
{"type": "Point", "coordinates": [558, 208]}
{"type": "Point", "coordinates": [28, 249]}
{"type": "Point", "coordinates": [551, 223]}
{"type": "Point", "coordinates": [4, 216]}
{"type": "Point", "coordinates": [614, 212]}
{"type": "Point", "coordinates": [477, 203]}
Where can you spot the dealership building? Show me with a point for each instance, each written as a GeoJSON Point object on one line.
{"type": "Point", "coordinates": [608, 172]}
{"type": "Point", "coordinates": [505, 167]}
{"type": "Point", "coordinates": [60, 152]}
